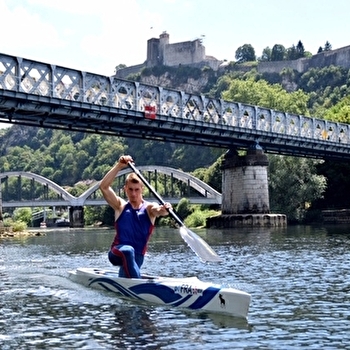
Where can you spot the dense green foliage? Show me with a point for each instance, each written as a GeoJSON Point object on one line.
{"type": "Point", "coordinates": [280, 53]}
{"type": "Point", "coordinates": [67, 158]}
{"type": "Point", "coordinates": [263, 94]}
{"type": "Point", "coordinates": [293, 185]}
{"type": "Point", "coordinates": [340, 112]}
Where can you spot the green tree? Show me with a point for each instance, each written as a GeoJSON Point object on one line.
{"type": "Point", "coordinates": [245, 53]}
{"type": "Point", "coordinates": [95, 215]}
{"type": "Point", "coordinates": [119, 66]}
{"type": "Point", "coordinates": [278, 53]}
{"type": "Point", "coordinates": [294, 185]}
{"type": "Point", "coordinates": [211, 175]}
{"type": "Point", "coordinates": [288, 73]}
{"type": "Point", "coordinates": [291, 53]}
{"type": "Point", "coordinates": [327, 46]}
{"type": "Point", "coordinates": [23, 214]}
{"type": "Point", "coordinates": [300, 50]}
{"type": "Point", "coordinates": [266, 55]}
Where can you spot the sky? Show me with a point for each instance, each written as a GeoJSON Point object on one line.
{"type": "Point", "coordinates": [96, 36]}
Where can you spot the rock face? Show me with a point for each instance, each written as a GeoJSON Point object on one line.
{"type": "Point", "coordinates": [17, 135]}
{"type": "Point", "coordinates": [170, 81]}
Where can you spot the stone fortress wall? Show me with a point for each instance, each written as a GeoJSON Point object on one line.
{"type": "Point", "coordinates": [192, 53]}
{"type": "Point", "coordinates": [339, 57]}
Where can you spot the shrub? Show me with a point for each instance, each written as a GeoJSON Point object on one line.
{"type": "Point", "coordinates": [196, 219]}
{"type": "Point", "coordinates": [183, 208]}
{"type": "Point", "coordinates": [19, 226]}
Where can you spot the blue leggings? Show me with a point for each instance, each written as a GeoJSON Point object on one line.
{"type": "Point", "coordinates": [129, 261]}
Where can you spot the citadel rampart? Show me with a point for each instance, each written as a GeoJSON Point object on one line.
{"type": "Point", "coordinates": [192, 53]}
{"type": "Point", "coordinates": [339, 57]}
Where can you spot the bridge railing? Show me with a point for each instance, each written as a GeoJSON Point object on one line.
{"type": "Point", "coordinates": [37, 78]}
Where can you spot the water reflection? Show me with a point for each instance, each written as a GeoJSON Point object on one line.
{"type": "Point", "coordinates": [133, 327]}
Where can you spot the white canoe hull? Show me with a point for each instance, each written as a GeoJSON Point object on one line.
{"type": "Point", "coordinates": [190, 293]}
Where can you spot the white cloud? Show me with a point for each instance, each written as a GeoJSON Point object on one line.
{"type": "Point", "coordinates": [26, 28]}
{"type": "Point", "coordinates": [73, 6]}
{"type": "Point", "coordinates": [25, 32]}
{"type": "Point", "coordinates": [122, 36]}
{"type": "Point", "coordinates": [92, 36]}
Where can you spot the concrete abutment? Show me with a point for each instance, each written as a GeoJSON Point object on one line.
{"type": "Point", "coordinates": [76, 216]}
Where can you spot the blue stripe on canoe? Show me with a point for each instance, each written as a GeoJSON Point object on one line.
{"type": "Point", "coordinates": [106, 283]}
{"type": "Point", "coordinates": [208, 295]}
{"type": "Point", "coordinates": [164, 293]}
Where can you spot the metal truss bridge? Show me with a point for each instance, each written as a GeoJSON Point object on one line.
{"type": "Point", "coordinates": [44, 95]}
{"type": "Point", "coordinates": [197, 191]}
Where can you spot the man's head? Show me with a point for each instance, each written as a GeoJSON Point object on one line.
{"type": "Point", "coordinates": [133, 187]}
{"type": "Point", "coordinates": [133, 178]}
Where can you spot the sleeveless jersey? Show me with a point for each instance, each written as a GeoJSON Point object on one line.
{"type": "Point", "coordinates": [133, 227]}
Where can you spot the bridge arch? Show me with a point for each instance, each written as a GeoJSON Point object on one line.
{"type": "Point", "coordinates": [195, 183]}
{"type": "Point", "coordinates": [200, 186]}
{"type": "Point", "coordinates": [41, 179]}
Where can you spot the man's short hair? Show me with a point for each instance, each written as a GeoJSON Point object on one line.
{"type": "Point", "coordinates": [133, 178]}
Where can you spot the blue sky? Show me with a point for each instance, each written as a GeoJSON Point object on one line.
{"type": "Point", "coordinates": [95, 36]}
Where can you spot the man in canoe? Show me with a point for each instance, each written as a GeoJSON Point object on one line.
{"type": "Point", "coordinates": [134, 220]}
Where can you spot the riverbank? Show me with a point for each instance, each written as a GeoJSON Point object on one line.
{"type": "Point", "coordinates": [7, 232]}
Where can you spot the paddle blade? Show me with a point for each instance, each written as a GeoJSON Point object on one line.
{"type": "Point", "coordinates": [199, 246]}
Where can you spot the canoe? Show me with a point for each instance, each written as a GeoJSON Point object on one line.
{"type": "Point", "coordinates": [188, 292]}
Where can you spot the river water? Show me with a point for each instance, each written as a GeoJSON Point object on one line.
{"type": "Point", "coordinates": [299, 279]}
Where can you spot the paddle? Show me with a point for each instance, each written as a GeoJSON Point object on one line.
{"type": "Point", "coordinates": [196, 243]}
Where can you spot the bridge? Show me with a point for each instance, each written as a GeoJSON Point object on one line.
{"type": "Point", "coordinates": [44, 95]}
{"type": "Point", "coordinates": [205, 193]}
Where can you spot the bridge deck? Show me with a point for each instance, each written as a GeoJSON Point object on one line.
{"type": "Point", "coordinates": [40, 94]}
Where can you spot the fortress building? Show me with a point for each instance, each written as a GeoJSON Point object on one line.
{"type": "Point", "coordinates": [161, 52]}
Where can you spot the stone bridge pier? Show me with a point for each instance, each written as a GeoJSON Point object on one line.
{"type": "Point", "coordinates": [245, 192]}
{"type": "Point", "coordinates": [76, 216]}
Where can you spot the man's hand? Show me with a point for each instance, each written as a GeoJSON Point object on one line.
{"type": "Point", "coordinates": [125, 160]}
{"type": "Point", "coordinates": [164, 209]}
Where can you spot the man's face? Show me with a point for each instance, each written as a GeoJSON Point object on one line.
{"type": "Point", "coordinates": [133, 191]}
